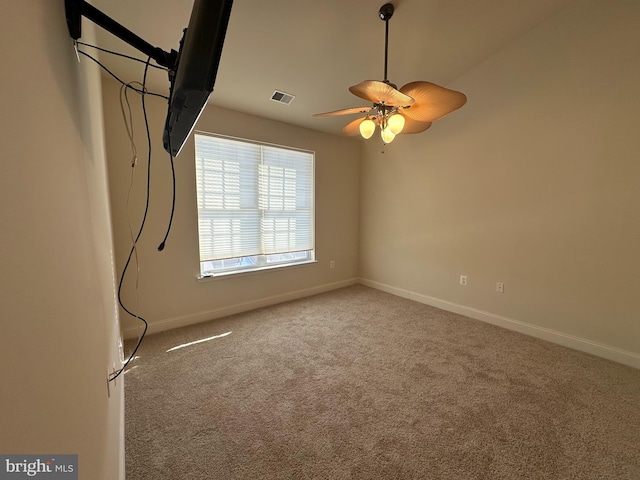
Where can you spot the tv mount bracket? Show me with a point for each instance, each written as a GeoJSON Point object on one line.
{"type": "Point", "coordinates": [76, 9]}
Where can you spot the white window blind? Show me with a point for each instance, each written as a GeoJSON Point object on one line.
{"type": "Point", "coordinates": [253, 199]}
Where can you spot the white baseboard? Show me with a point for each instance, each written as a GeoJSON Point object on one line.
{"type": "Point", "coordinates": [190, 319]}
{"type": "Point", "coordinates": [611, 353]}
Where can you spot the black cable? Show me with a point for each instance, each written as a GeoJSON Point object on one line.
{"type": "Point", "coordinates": [120, 54]}
{"type": "Point", "coordinates": [173, 199]}
{"type": "Point", "coordinates": [142, 223]}
{"type": "Point", "coordinates": [145, 92]}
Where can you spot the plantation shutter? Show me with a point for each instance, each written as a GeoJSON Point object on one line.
{"type": "Point", "coordinates": [253, 199]}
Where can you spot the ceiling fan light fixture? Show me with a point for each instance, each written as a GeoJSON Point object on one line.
{"type": "Point", "coordinates": [367, 127]}
{"type": "Point", "coordinates": [395, 123]}
{"type": "Point", "coordinates": [387, 135]}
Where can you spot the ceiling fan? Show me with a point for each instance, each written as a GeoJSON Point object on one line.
{"type": "Point", "coordinates": [410, 109]}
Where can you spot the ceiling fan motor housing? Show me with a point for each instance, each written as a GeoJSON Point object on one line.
{"type": "Point", "coordinates": [391, 84]}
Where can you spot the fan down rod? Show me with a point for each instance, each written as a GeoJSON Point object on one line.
{"type": "Point", "coordinates": [385, 13]}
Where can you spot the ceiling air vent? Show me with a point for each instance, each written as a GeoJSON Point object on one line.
{"type": "Point", "coordinates": [282, 97]}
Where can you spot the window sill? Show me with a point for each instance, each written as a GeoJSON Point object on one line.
{"type": "Point", "coordinates": [253, 271]}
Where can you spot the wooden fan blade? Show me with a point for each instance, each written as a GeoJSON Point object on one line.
{"type": "Point", "coordinates": [380, 92]}
{"type": "Point", "coordinates": [414, 126]}
{"type": "Point", "coordinates": [345, 111]}
{"type": "Point", "coordinates": [431, 101]}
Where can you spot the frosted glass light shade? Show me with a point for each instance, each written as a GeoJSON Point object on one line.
{"type": "Point", "coordinates": [395, 123]}
{"type": "Point", "coordinates": [367, 127]}
{"type": "Point", "coordinates": [387, 135]}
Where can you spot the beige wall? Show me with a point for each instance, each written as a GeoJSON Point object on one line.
{"type": "Point", "coordinates": [59, 326]}
{"type": "Point", "coordinates": [534, 183]}
{"type": "Point", "coordinates": [170, 293]}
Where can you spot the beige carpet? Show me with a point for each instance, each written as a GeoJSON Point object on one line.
{"type": "Point", "coordinates": [360, 384]}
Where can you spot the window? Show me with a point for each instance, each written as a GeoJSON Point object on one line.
{"type": "Point", "coordinates": [255, 205]}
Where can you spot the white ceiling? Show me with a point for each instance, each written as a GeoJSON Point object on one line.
{"type": "Point", "coordinates": [316, 49]}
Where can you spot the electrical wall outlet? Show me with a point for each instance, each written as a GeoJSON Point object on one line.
{"type": "Point", "coordinates": [499, 287]}
{"type": "Point", "coordinates": [463, 279]}
{"type": "Point", "coordinates": [332, 264]}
